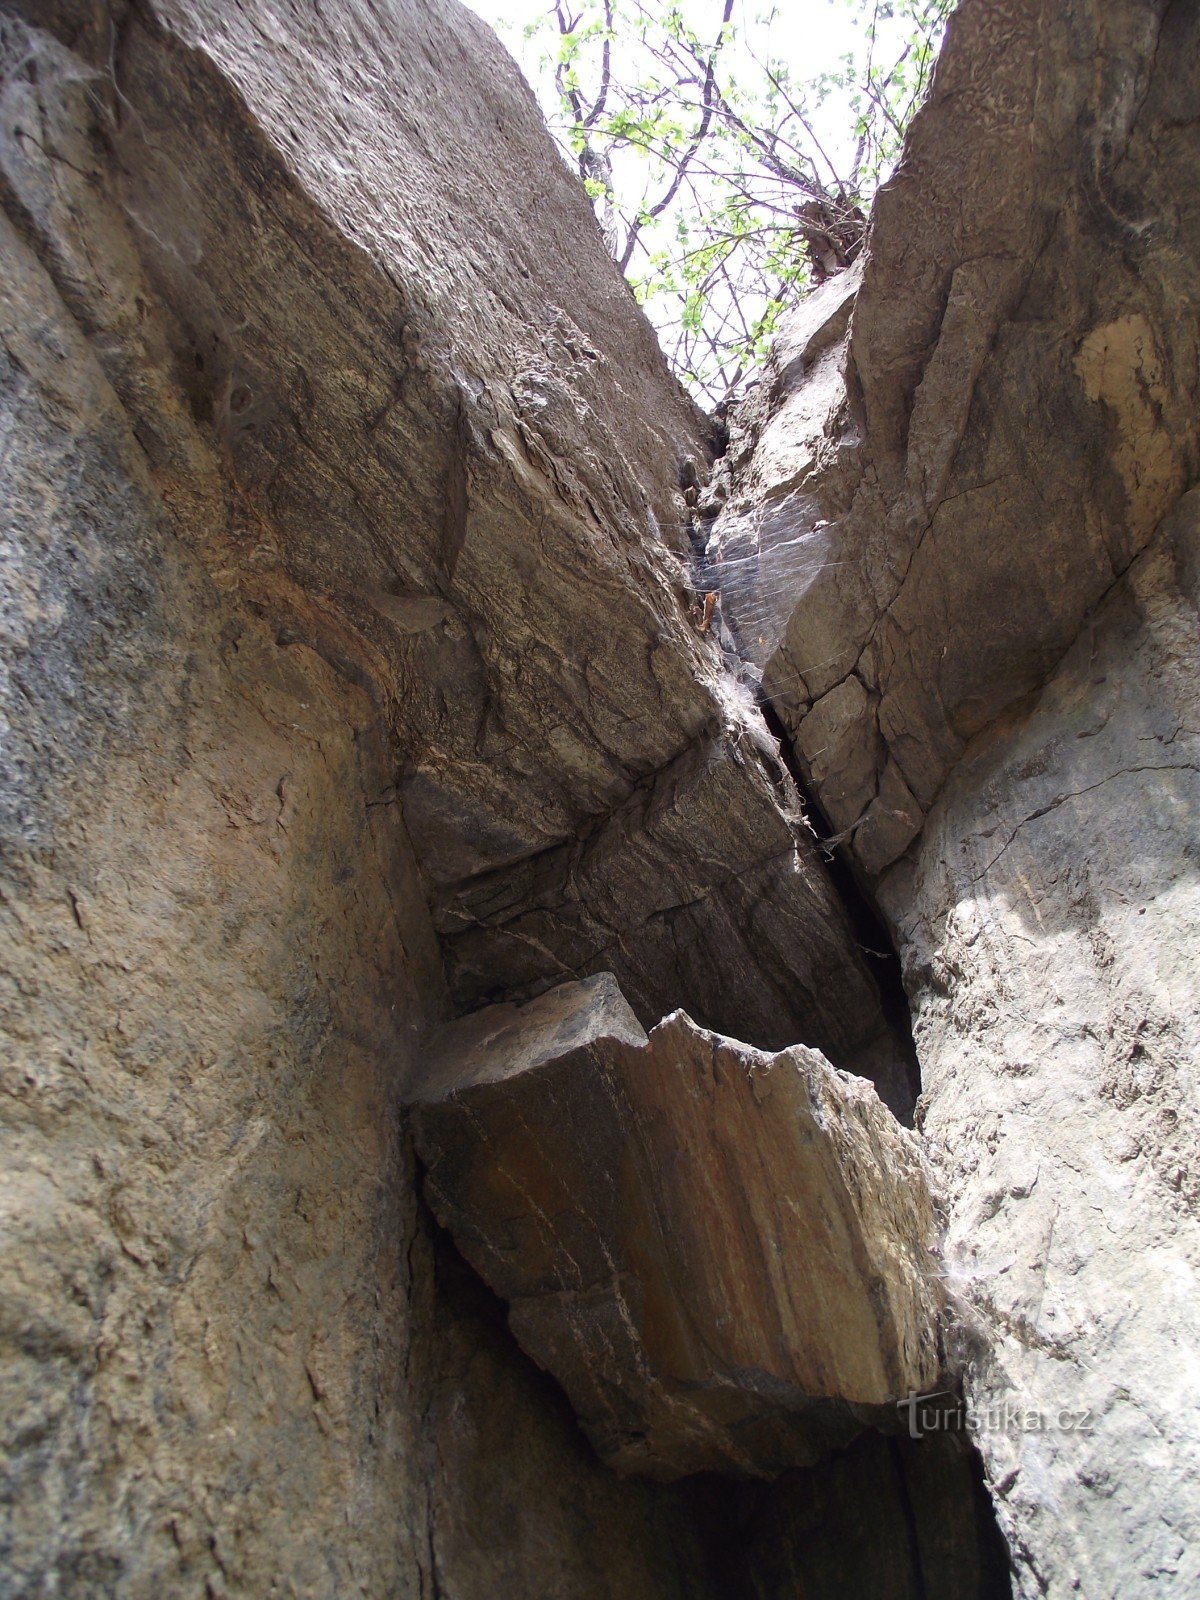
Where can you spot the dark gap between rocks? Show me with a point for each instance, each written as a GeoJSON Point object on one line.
{"type": "Point", "coordinates": [887, 1518]}
{"type": "Point", "coordinates": [870, 932]}
{"type": "Point", "coordinates": [867, 926]}
{"type": "Point", "coordinates": [965, 1513]}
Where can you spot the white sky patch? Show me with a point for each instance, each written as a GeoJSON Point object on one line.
{"type": "Point", "coordinates": [811, 38]}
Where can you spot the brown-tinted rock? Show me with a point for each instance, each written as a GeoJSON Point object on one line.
{"type": "Point", "coordinates": [938, 488]}
{"type": "Point", "coordinates": [713, 864]}
{"type": "Point", "coordinates": [438, 446]}
{"type": "Point", "coordinates": [341, 561]}
{"type": "Point", "coordinates": [345, 584]}
{"type": "Point", "coordinates": [722, 1255]}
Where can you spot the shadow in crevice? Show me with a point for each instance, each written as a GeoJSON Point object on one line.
{"type": "Point", "coordinates": [887, 1518]}
{"type": "Point", "coordinates": [867, 926]}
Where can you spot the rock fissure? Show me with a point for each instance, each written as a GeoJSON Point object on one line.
{"type": "Point", "coordinates": [1063, 799]}
{"type": "Point", "coordinates": [873, 937]}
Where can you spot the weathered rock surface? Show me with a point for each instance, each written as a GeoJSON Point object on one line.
{"type": "Point", "coordinates": [468, 495]}
{"type": "Point", "coordinates": [347, 685]}
{"type": "Point", "coordinates": [724, 1257]}
{"type": "Point", "coordinates": [515, 1500]}
{"type": "Point", "coordinates": [338, 512]}
{"type": "Point", "coordinates": [713, 865]}
{"type": "Point", "coordinates": [954, 480]}
{"type": "Point", "coordinates": [974, 465]}
{"type": "Point", "coordinates": [1051, 926]}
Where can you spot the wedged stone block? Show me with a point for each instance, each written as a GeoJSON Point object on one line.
{"type": "Point", "coordinates": [724, 1256]}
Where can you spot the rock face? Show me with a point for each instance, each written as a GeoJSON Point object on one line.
{"type": "Point", "coordinates": [714, 867]}
{"type": "Point", "coordinates": [348, 686]}
{"type": "Point", "coordinates": [724, 1257]}
{"type": "Point", "coordinates": [973, 459]}
{"type": "Point", "coordinates": [467, 505]}
{"type": "Point", "coordinates": [1051, 932]}
{"type": "Point", "coordinates": [943, 548]}
{"type": "Point", "coordinates": [342, 592]}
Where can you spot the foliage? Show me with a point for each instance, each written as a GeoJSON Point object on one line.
{"type": "Point", "coordinates": [719, 185]}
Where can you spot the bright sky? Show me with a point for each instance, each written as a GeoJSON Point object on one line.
{"type": "Point", "coordinates": [811, 35]}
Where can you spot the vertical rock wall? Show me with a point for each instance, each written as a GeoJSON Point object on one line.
{"type": "Point", "coordinates": [975, 463]}
{"type": "Point", "coordinates": [235, 472]}
{"type": "Point", "coordinates": [349, 685]}
{"type": "Point", "coordinates": [1050, 928]}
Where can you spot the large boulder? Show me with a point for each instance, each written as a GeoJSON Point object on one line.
{"type": "Point", "coordinates": [725, 1257]}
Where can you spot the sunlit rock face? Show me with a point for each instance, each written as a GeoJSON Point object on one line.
{"type": "Point", "coordinates": [724, 1256]}
{"type": "Point", "coordinates": [961, 536]}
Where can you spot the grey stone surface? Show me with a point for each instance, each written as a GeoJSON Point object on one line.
{"type": "Point", "coordinates": [958, 471]}
{"type": "Point", "coordinates": [348, 684]}
{"type": "Point", "coordinates": [987, 666]}
{"type": "Point", "coordinates": [339, 508]}
{"type": "Point", "coordinates": [1050, 925]}
{"type": "Point", "coordinates": [452, 460]}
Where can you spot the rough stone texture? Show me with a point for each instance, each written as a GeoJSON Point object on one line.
{"type": "Point", "coordinates": [1050, 925]}
{"type": "Point", "coordinates": [725, 1257]}
{"type": "Point", "coordinates": [462, 481]}
{"type": "Point", "coordinates": [338, 525]}
{"type": "Point", "coordinates": [1008, 417]}
{"type": "Point", "coordinates": [347, 684]}
{"type": "Point", "coordinates": [713, 865]}
{"type": "Point", "coordinates": [517, 1504]}
{"type": "Point", "coordinates": [975, 465]}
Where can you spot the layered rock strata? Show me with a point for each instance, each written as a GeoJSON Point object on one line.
{"type": "Point", "coordinates": [339, 515]}
{"type": "Point", "coordinates": [348, 684]}
{"type": "Point", "coordinates": [724, 1257]}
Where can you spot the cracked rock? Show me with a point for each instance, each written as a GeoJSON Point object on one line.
{"type": "Point", "coordinates": [724, 1256]}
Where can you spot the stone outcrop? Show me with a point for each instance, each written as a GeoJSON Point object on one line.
{"type": "Point", "coordinates": [956, 475]}
{"type": "Point", "coordinates": [714, 866]}
{"type": "Point", "coordinates": [1050, 931]}
{"type": "Point", "coordinates": [973, 458]}
{"type": "Point", "coordinates": [339, 509]}
{"type": "Point", "coordinates": [348, 686]}
{"type": "Point", "coordinates": [724, 1257]}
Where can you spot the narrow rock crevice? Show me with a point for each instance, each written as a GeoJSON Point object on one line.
{"type": "Point", "coordinates": [883, 1515]}
{"type": "Point", "coordinates": [347, 686]}
{"type": "Point", "coordinates": [869, 928]}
